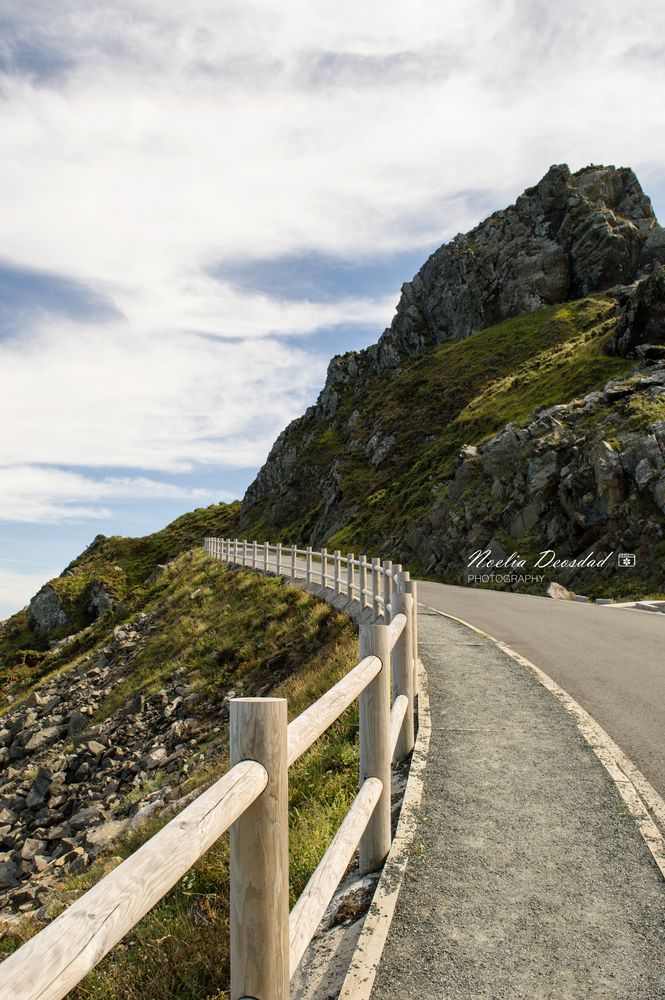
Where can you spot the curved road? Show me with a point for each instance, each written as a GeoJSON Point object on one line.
{"type": "Point", "coordinates": [611, 660]}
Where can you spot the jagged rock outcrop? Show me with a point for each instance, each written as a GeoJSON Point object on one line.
{"type": "Point", "coordinates": [100, 599]}
{"type": "Point", "coordinates": [642, 316]}
{"type": "Point", "coordinates": [576, 478]}
{"type": "Point", "coordinates": [570, 235]}
{"type": "Point", "coordinates": [46, 612]}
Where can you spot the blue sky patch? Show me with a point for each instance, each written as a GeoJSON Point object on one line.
{"type": "Point", "coordinates": [318, 277]}
{"type": "Point", "coordinates": [25, 293]}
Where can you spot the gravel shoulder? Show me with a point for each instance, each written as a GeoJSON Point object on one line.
{"type": "Point", "coordinates": [529, 878]}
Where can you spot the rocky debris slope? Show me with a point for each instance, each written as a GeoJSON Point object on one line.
{"type": "Point", "coordinates": [582, 475]}
{"type": "Point", "coordinates": [70, 785]}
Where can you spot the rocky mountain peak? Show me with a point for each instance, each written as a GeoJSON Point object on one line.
{"type": "Point", "coordinates": [565, 287]}
{"type": "Point", "coordinates": [570, 235]}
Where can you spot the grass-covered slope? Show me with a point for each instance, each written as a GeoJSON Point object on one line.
{"type": "Point", "coordinates": [207, 632]}
{"type": "Point", "coordinates": [119, 564]}
{"type": "Point", "coordinates": [360, 477]}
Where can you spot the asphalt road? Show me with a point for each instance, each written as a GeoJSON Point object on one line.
{"type": "Point", "coordinates": [528, 880]}
{"type": "Point", "coordinates": [611, 660]}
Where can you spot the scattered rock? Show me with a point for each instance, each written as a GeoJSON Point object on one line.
{"type": "Point", "coordinates": [8, 874]}
{"type": "Point", "coordinates": [41, 738]}
{"type": "Point", "coordinates": [102, 836]}
{"type": "Point", "coordinates": [58, 808]}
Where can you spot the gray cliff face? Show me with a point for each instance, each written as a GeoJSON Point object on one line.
{"type": "Point", "coordinates": [570, 235]}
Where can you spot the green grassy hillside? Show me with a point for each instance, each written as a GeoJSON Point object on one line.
{"type": "Point", "coordinates": [121, 564]}
{"type": "Point", "coordinates": [458, 393]}
{"type": "Point", "coordinates": [215, 631]}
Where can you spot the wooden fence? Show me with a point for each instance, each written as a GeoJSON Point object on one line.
{"type": "Point", "coordinates": [267, 943]}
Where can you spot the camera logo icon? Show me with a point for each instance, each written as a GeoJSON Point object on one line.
{"type": "Point", "coordinates": [626, 559]}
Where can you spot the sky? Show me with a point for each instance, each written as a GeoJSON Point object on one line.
{"type": "Point", "coordinates": [200, 204]}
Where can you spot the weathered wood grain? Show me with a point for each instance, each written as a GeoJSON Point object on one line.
{"type": "Point", "coordinates": [260, 855]}
{"type": "Point", "coordinates": [375, 745]}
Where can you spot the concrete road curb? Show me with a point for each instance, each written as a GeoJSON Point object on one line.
{"type": "Point", "coordinates": [362, 971]}
{"type": "Point", "coordinates": [632, 786]}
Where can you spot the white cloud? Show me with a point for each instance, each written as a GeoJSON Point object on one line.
{"type": "Point", "coordinates": [45, 494]}
{"type": "Point", "coordinates": [107, 397]}
{"type": "Point", "coordinates": [16, 589]}
{"type": "Point", "coordinates": [144, 143]}
{"type": "Point", "coordinates": [184, 136]}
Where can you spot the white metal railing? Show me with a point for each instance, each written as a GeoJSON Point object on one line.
{"type": "Point", "coordinates": [267, 943]}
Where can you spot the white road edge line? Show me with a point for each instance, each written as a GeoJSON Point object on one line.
{"type": "Point", "coordinates": [632, 786]}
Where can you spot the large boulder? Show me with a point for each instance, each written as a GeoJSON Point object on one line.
{"type": "Point", "coordinates": [46, 612]}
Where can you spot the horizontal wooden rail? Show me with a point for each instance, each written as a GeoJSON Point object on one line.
{"type": "Point", "coordinates": [51, 963]}
{"type": "Point", "coordinates": [306, 914]}
{"type": "Point", "coordinates": [397, 716]}
{"type": "Point", "coordinates": [396, 627]}
{"type": "Point", "coordinates": [314, 721]}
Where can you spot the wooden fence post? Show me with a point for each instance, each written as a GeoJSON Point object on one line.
{"type": "Point", "coordinates": [362, 581]}
{"type": "Point", "coordinates": [338, 572]}
{"type": "Point", "coordinates": [279, 557]}
{"type": "Point", "coordinates": [403, 671]}
{"type": "Point", "coordinates": [308, 565]}
{"type": "Point", "coordinates": [266, 547]}
{"type": "Point", "coordinates": [244, 551]}
{"type": "Point", "coordinates": [376, 588]}
{"type": "Point", "coordinates": [235, 551]}
{"type": "Point", "coordinates": [413, 590]}
{"type": "Point", "coordinates": [387, 591]}
{"type": "Point", "coordinates": [324, 567]}
{"type": "Point", "coordinates": [260, 856]}
{"type": "Point", "coordinates": [254, 555]}
{"type": "Point", "coordinates": [294, 559]}
{"type": "Point", "coordinates": [349, 575]}
{"type": "Point", "coordinates": [375, 745]}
